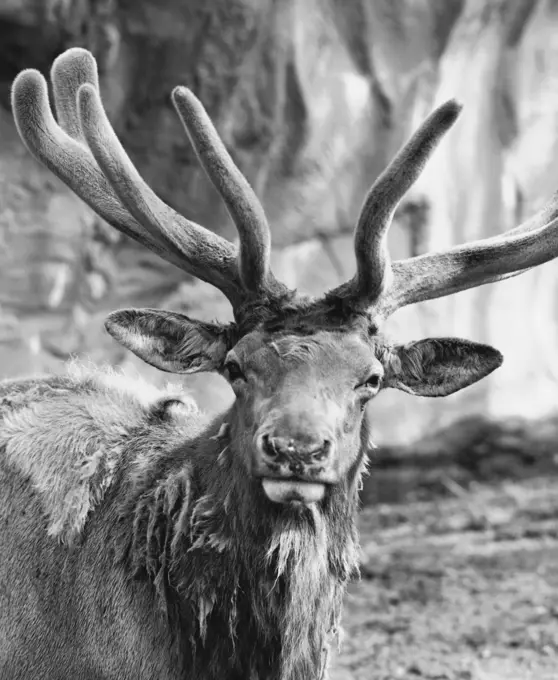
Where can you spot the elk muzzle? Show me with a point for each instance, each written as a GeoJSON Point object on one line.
{"type": "Point", "coordinates": [295, 459]}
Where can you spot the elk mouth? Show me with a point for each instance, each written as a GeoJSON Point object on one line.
{"type": "Point", "coordinates": [293, 491]}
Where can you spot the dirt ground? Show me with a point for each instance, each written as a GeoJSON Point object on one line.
{"type": "Point", "coordinates": [459, 582]}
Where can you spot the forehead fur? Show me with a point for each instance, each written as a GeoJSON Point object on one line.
{"type": "Point", "coordinates": [304, 315]}
{"type": "Point", "coordinates": [309, 347]}
{"type": "Point", "coordinates": [306, 342]}
{"type": "Point", "coordinates": [68, 435]}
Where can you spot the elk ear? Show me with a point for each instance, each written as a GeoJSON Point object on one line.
{"type": "Point", "coordinates": [438, 367]}
{"type": "Point", "coordinates": [169, 341]}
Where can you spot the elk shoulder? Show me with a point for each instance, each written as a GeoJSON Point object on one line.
{"type": "Point", "coordinates": [69, 436]}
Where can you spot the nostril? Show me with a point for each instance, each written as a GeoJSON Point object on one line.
{"type": "Point", "coordinates": [294, 450]}
{"type": "Point", "coordinates": [268, 447]}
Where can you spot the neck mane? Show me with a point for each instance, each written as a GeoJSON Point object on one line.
{"type": "Point", "coordinates": [252, 585]}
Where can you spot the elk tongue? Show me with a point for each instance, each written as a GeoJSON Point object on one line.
{"type": "Point", "coordinates": [289, 491]}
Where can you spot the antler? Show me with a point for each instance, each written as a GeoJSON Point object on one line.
{"type": "Point", "coordinates": [477, 263]}
{"type": "Point", "coordinates": [385, 287]}
{"type": "Point", "coordinates": [83, 150]}
{"type": "Point", "coordinates": [373, 263]}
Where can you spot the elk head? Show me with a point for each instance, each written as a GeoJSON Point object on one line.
{"type": "Point", "coordinates": [302, 368]}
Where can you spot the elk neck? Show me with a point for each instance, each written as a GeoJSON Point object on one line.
{"type": "Point", "coordinates": [228, 563]}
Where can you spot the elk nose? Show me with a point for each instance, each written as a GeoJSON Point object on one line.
{"type": "Point", "coordinates": [305, 451]}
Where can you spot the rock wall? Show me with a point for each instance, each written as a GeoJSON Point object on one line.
{"type": "Point", "coordinates": [312, 97]}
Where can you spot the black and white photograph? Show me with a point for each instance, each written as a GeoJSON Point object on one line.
{"type": "Point", "coordinates": [278, 339]}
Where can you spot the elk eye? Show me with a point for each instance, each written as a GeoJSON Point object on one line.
{"type": "Point", "coordinates": [233, 371]}
{"type": "Point", "coordinates": [373, 381]}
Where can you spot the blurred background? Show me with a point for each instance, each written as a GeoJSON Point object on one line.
{"type": "Point", "coordinates": [313, 98]}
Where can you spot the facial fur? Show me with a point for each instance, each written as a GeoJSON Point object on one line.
{"type": "Point", "coordinates": [298, 393]}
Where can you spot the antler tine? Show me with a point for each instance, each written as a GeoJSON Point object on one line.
{"type": "Point", "coordinates": [439, 274]}
{"type": "Point", "coordinates": [64, 156]}
{"type": "Point", "coordinates": [204, 254]}
{"type": "Point", "coordinates": [240, 199]}
{"type": "Point", "coordinates": [69, 71]}
{"type": "Point", "coordinates": [61, 154]}
{"type": "Point", "coordinates": [179, 241]}
{"type": "Point", "coordinates": [373, 264]}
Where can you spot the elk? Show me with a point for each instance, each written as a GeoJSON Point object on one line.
{"type": "Point", "coordinates": [142, 539]}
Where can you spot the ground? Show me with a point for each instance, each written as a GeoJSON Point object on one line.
{"type": "Point", "coordinates": [459, 581]}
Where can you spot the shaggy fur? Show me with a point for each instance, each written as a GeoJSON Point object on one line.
{"type": "Point", "coordinates": [137, 546]}
{"type": "Point", "coordinates": [138, 540]}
